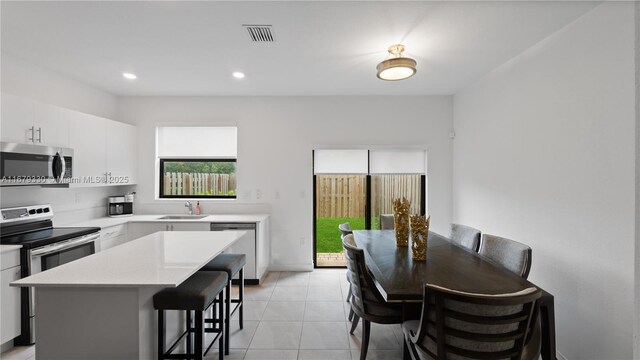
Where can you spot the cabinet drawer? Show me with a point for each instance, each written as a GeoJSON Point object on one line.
{"type": "Point", "coordinates": [113, 231]}
{"type": "Point", "coordinates": [112, 241]}
{"type": "Point", "coordinates": [10, 259]}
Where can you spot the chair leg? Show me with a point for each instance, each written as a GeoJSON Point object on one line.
{"type": "Point", "coordinates": [351, 313]}
{"type": "Point", "coordinates": [189, 333]}
{"type": "Point", "coordinates": [366, 328]}
{"type": "Point", "coordinates": [161, 334]}
{"type": "Point", "coordinates": [199, 335]}
{"type": "Point", "coordinates": [241, 298]}
{"type": "Point", "coordinates": [227, 317]}
{"type": "Point", "coordinates": [406, 353]}
{"type": "Point", "coordinates": [354, 324]}
{"type": "Point", "coordinates": [224, 336]}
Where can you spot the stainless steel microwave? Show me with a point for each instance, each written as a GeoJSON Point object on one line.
{"type": "Point", "coordinates": [24, 164]}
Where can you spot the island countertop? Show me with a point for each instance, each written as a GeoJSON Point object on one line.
{"type": "Point", "coordinates": [161, 259]}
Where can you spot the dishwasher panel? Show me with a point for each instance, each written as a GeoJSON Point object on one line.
{"type": "Point", "coordinates": [245, 245]}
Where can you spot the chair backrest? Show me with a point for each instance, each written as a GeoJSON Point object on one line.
{"type": "Point", "coordinates": [345, 229]}
{"type": "Point", "coordinates": [363, 290]}
{"type": "Point", "coordinates": [386, 222]}
{"type": "Point", "coordinates": [465, 236]}
{"type": "Point", "coordinates": [514, 256]}
{"type": "Point", "coordinates": [458, 325]}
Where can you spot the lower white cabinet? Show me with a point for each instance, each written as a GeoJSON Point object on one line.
{"type": "Point", "coordinates": [9, 297]}
{"type": "Point", "coordinates": [113, 236]}
{"type": "Point", "coordinates": [140, 229]}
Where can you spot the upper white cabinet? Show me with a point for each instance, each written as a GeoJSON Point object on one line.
{"type": "Point", "coordinates": [89, 143]}
{"type": "Point", "coordinates": [121, 150]}
{"type": "Point", "coordinates": [28, 122]}
{"type": "Point", "coordinates": [104, 151]}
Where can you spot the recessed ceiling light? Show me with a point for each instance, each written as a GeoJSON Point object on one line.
{"type": "Point", "coordinates": [238, 75]}
{"type": "Point", "coordinates": [129, 76]}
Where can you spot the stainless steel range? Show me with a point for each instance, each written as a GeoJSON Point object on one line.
{"type": "Point", "coordinates": [43, 247]}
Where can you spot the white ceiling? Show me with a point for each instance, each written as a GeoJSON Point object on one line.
{"type": "Point", "coordinates": [322, 48]}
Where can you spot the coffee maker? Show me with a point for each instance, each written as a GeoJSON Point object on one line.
{"type": "Point", "coordinates": [120, 205]}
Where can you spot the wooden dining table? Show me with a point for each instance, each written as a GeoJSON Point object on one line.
{"type": "Point", "coordinates": [401, 279]}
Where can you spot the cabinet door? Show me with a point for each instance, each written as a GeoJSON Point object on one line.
{"type": "Point", "coordinates": [121, 152]}
{"type": "Point", "coordinates": [87, 139]}
{"type": "Point", "coordinates": [138, 230]}
{"type": "Point", "coordinates": [51, 125]}
{"type": "Point", "coordinates": [10, 303]}
{"type": "Point", "coordinates": [17, 119]}
{"type": "Point", "coordinates": [189, 226]}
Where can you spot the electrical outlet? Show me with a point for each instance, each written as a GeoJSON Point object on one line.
{"type": "Point", "coordinates": [276, 195]}
{"type": "Point", "coordinates": [302, 240]}
{"type": "Point", "coordinates": [258, 194]}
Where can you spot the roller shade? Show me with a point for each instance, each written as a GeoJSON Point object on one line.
{"type": "Point", "coordinates": [397, 162]}
{"type": "Point", "coordinates": [340, 162]}
{"type": "Point", "coordinates": [197, 141]}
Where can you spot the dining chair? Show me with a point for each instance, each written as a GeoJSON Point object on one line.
{"type": "Point", "coordinates": [465, 236]}
{"type": "Point", "coordinates": [460, 325]}
{"type": "Point", "coordinates": [514, 256]}
{"type": "Point", "coordinates": [386, 222]}
{"type": "Point", "coordinates": [345, 229]}
{"type": "Point", "coordinates": [366, 301]}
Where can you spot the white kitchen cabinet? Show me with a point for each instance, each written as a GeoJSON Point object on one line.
{"type": "Point", "coordinates": [89, 144]}
{"type": "Point", "coordinates": [17, 118]}
{"type": "Point", "coordinates": [121, 153]}
{"type": "Point", "coordinates": [140, 229]}
{"type": "Point", "coordinates": [51, 125]}
{"type": "Point", "coordinates": [113, 236]}
{"type": "Point", "coordinates": [28, 122]}
{"type": "Point", "coordinates": [9, 296]}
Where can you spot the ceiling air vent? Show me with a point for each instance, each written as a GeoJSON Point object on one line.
{"type": "Point", "coordinates": [260, 33]}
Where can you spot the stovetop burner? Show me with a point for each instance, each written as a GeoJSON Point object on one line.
{"type": "Point", "coordinates": [31, 226]}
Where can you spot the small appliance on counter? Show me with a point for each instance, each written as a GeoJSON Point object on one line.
{"type": "Point", "coordinates": [120, 205]}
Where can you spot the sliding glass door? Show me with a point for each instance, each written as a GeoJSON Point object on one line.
{"type": "Point", "coordinates": [356, 187]}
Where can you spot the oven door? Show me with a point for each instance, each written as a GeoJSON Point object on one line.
{"type": "Point", "coordinates": [50, 256]}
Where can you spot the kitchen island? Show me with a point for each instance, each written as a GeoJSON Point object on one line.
{"type": "Point", "coordinates": [100, 306]}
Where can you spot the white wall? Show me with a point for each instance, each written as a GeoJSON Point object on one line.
{"type": "Point", "coordinates": [275, 138]}
{"type": "Point", "coordinates": [28, 80]}
{"type": "Point", "coordinates": [636, 331]}
{"type": "Point", "coordinates": [545, 154]}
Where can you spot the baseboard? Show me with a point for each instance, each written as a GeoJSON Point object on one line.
{"type": "Point", "coordinates": [560, 356]}
{"type": "Point", "coordinates": [291, 267]}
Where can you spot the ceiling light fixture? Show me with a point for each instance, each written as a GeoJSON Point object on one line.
{"type": "Point", "coordinates": [238, 75]}
{"type": "Point", "coordinates": [397, 67]}
{"type": "Point", "coordinates": [129, 76]}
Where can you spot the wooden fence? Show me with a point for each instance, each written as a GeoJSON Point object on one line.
{"type": "Point", "coordinates": [198, 184]}
{"type": "Point", "coordinates": [344, 195]}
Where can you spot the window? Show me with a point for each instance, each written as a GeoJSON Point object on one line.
{"type": "Point", "coordinates": [196, 162]}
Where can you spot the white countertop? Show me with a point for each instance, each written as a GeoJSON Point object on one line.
{"type": "Point", "coordinates": [165, 259]}
{"type": "Point", "coordinates": [105, 222]}
{"type": "Point", "coordinates": [7, 248]}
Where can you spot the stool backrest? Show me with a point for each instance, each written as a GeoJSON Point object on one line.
{"type": "Point", "coordinates": [386, 222]}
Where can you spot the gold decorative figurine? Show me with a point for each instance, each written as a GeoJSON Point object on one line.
{"type": "Point", "coordinates": [419, 235]}
{"type": "Point", "coordinates": [401, 221]}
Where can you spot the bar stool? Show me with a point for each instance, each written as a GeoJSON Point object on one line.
{"type": "Point", "coordinates": [232, 264]}
{"type": "Point", "coordinates": [198, 293]}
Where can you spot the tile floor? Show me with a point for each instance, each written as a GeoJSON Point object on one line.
{"type": "Point", "coordinates": [295, 315]}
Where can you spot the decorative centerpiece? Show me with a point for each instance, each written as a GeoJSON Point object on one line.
{"type": "Point", "coordinates": [401, 221]}
{"type": "Point", "coordinates": [419, 235]}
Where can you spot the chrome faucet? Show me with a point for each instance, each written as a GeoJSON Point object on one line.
{"type": "Point", "coordinates": [189, 205]}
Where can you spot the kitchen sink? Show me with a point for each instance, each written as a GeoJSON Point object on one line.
{"type": "Point", "coordinates": [183, 217]}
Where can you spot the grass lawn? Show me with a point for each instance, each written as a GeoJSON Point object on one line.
{"type": "Point", "coordinates": [328, 236]}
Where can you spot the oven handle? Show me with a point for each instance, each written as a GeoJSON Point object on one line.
{"type": "Point", "coordinates": [69, 244]}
